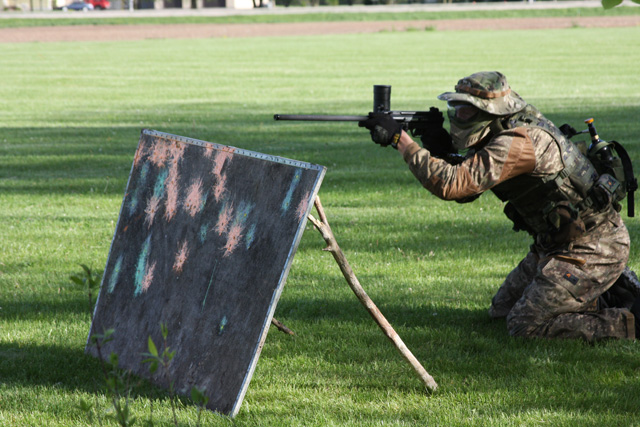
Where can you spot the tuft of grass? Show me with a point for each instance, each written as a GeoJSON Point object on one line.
{"type": "Point", "coordinates": [69, 126]}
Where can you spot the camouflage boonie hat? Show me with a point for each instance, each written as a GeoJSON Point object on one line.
{"type": "Point", "coordinates": [488, 91]}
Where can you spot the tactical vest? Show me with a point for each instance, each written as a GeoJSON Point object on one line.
{"type": "Point", "coordinates": [534, 203]}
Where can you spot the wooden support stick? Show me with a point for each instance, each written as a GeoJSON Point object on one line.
{"type": "Point", "coordinates": [332, 246]}
{"type": "Point", "coordinates": [278, 324]}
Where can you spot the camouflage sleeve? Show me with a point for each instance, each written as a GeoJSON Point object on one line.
{"type": "Point", "coordinates": [509, 154]}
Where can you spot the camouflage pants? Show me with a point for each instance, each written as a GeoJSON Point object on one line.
{"type": "Point", "coordinates": [554, 294]}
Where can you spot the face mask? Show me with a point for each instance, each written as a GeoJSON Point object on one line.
{"type": "Point", "coordinates": [467, 133]}
{"type": "Point", "coordinates": [465, 138]}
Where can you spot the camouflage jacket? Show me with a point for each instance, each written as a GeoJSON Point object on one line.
{"type": "Point", "coordinates": [513, 153]}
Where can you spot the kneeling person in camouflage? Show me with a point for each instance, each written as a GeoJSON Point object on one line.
{"type": "Point", "coordinates": [581, 245]}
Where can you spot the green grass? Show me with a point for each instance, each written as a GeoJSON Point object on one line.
{"type": "Point", "coordinates": [70, 119]}
{"type": "Point", "coordinates": [315, 15]}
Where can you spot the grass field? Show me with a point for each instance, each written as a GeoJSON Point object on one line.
{"type": "Point", "coordinates": [70, 119]}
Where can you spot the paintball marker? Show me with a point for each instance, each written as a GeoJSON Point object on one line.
{"type": "Point", "coordinates": [426, 125]}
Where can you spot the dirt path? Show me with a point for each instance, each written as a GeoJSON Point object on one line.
{"type": "Point", "coordinates": [187, 31]}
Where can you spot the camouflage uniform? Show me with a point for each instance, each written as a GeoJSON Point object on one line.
{"type": "Point", "coordinates": [553, 292]}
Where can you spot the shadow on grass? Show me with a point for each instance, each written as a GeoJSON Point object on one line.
{"type": "Point", "coordinates": [32, 366]}
{"type": "Point", "coordinates": [43, 307]}
{"type": "Point", "coordinates": [78, 159]}
{"type": "Point", "coordinates": [49, 365]}
{"type": "Point", "coordinates": [467, 353]}
{"type": "Point", "coordinates": [81, 160]}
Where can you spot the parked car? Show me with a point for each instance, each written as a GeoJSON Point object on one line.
{"type": "Point", "coordinates": [100, 4]}
{"type": "Point", "coordinates": [78, 5]}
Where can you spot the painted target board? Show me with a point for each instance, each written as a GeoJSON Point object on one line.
{"type": "Point", "coordinates": [204, 242]}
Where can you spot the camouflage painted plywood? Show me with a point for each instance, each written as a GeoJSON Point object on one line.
{"type": "Point", "coordinates": [204, 242]}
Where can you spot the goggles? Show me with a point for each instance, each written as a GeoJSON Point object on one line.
{"type": "Point", "coordinates": [461, 112]}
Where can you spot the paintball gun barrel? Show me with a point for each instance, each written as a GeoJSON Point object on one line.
{"type": "Point", "coordinates": [426, 125]}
